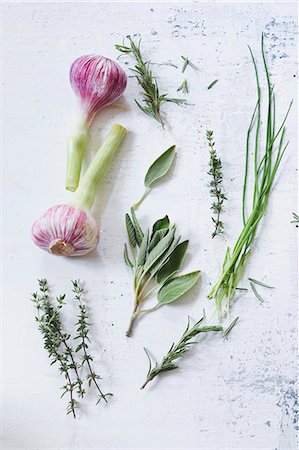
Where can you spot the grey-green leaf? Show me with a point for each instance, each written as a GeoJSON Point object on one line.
{"type": "Point", "coordinates": [177, 287]}
{"type": "Point", "coordinates": [126, 257]}
{"type": "Point", "coordinates": [130, 231]}
{"type": "Point", "coordinates": [138, 231]}
{"type": "Point", "coordinates": [174, 262]}
{"type": "Point", "coordinates": [143, 250]}
{"type": "Point", "coordinates": [160, 167]}
{"type": "Point", "coordinates": [161, 224]}
{"type": "Point", "coordinates": [159, 249]}
{"type": "Point", "coordinates": [159, 234]}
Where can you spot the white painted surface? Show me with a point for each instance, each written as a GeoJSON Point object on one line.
{"type": "Point", "coordinates": [236, 394]}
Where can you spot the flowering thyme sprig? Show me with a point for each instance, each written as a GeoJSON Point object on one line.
{"type": "Point", "coordinates": [83, 335]}
{"type": "Point", "coordinates": [215, 185]}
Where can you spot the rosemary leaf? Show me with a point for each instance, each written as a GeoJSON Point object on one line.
{"type": "Point", "coordinates": [230, 327]}
{"type": "Point", "coordinates": [184, 87]}
{"type": "Point", "coordinates": [187, 62]}
{"type": "Point", "coordinates": [212, 84]}
{"type": "Point", "coordinates": [260, 283]}
{"type": "Point", "coordinates": [256, 292]}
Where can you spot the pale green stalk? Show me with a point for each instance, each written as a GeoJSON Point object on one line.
{"type": "Point", "coordinates": [85, 195]}
{"type": "Point", "coordinates": [75, 151]}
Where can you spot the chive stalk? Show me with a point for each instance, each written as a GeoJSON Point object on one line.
{"type": "Point", "coordinates": [85, 194]}
{"type": "Point", "coordinates": [265, 167]}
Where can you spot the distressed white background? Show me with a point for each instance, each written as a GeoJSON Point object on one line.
{"type": "Point", "coordinates": [233, 394]}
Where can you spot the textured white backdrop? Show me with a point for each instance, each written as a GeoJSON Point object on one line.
{"type": "Point", "coordinates": [237, 394]}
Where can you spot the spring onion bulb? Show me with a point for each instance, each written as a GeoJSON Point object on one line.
{"type": "Point", "coordinates": [98, 82]}
{"type": "Point", "coordinates": [71, 229]}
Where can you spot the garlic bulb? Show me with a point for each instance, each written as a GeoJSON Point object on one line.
{"type": "Point", "coordinates": [71, 230]}
{"type": "Point", "coordinates": [66, 230]}
{"type": "Point", "coordinates": [98, 82]}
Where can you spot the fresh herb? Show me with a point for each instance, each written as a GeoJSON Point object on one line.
{"type": "Point", "coordinates": [84, 339]}
{"type": "Point", "coordinates": [212, 84]}
{"type": "Point", "coordinates": [186, 63]}
{"type": "Point", "coordinates": [296, 218]}
{"type": "Point", "coordinates": [265, 167]}
{"type": "Point", "coordinates": [215, 186]}
{"type": "Point", "coordinates": [57, 342]}
{"type": "Point", "coordinates": [154, 260]}
{"type": "Point", "coordinates": [184, 87]}
{"type": "Point", "coordinates": [151, 97]}
{"type": "Point", "coordinates": [157, 170]}
{"type": "Point", "coordinates": [176, 351]}
{"type": "Point", "coordinates": [230, 327]}
{"type": "Point", "coordinates": [253, 282]}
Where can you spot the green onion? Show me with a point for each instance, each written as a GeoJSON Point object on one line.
{"type": "Point", "coordinates": [265, 167]}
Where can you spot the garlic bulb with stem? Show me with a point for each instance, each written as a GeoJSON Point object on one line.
{"type": "Point", "coordinates": [98, 82]}
{"type": "Point", "coordinates": [70, 229]}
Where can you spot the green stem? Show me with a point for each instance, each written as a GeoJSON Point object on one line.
{"type": "Point", "coordinates": [135, 206]}
{"type": "Point", "coordinates": [76, 148]}
{"type": "Point", "coordinates": [86, 192]}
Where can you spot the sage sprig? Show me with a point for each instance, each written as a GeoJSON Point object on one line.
{"type": "Point", "coordinates": [178, 350]}
{"type": "Point", "coordinates": [152, 98]}
{"type": "Point", "coordinates": [157, 170]}
{"type": "Point", "coordinates": [155, 258]}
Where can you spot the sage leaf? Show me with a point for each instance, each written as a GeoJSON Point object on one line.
{"type": "Point", "coordinates": [165, 257]}
{"type": "Point", "coordinates": [143, 250]}
{"type": "Point", "coordinates": [174, 262]}
{"type": "Point", "coordinates": [130, 231]}
{"type": "Point", "coordinates": [177, 287]}
{"type": "Point", "coordinates": [159, 249]}
{"type": "Point", "coordinates": [159, 234]}
{"type": "Point", "coordinates": [160, 167]}
{"type": "Point", "coordinates": [126, 257]}
{"type": "Point", "coordinates": [138, 231]}
{"type": "Point", "coordinates": [161, 224]}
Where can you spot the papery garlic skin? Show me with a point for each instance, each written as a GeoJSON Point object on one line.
{"type": "Point", "coordinates": [98, 82]}
{"type": "Point", "coordinates": [66, 230]}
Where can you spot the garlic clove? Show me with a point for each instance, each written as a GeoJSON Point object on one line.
{"type": "Point", "coordinates": [66, 231]}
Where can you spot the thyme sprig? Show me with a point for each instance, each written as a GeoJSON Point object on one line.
{"type": "Point", "coordinates": [83, 336]}
{"type": "Point", "coordinates": [216, 186]}
{"type": "Point", "coordinates": [178, 350]}
{"type": "Point", "coordinates": [152, 98]}
{"type": "Point", "coordinates": [265, 167]}
{"type": "Point", "coordinates": [56, 342]}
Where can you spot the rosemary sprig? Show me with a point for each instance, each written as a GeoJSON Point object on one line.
{"type": "Point", "coordinates": [176, 351]}
{"type": "Point", "coordinates": [215, 186]}
{"type": "Point", "coordinates": [187, 62]}
{"type": "Point", "coordinates": [56, 342]}
{"type": "Point", "coordinates": [265, 168]}
{"type": "Point", "coordinates": [152, 98]}
{"type": "Point", "coordinates": [184, 87]}
{"type": "Point", "coordinates": [83, 336]}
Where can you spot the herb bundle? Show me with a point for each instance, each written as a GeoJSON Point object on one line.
{"type": "Point", "coordinates": [57, 342]}
{"type": "Point", "coordinates": [215, 185]}
{"type": "Point", "coordinates": [265, 167]}
{"type": "Point", "coordinates": [178, 350]}
{"type": "Point", "coordinates": [152, 98]}
{"type": "Point", "coordinates": [154, 260]}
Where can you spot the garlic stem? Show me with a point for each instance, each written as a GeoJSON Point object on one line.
{"type": "Point", "coordinates": [76, 148]}
{"type": "Point", "coordinates": [85, 194]}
